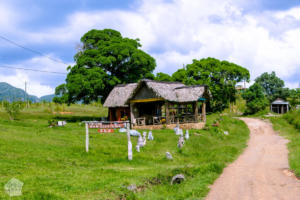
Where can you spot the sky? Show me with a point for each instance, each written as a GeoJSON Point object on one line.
{"type": "Point", "coordinates": [260, 35]}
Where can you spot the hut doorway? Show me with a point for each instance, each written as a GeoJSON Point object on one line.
{"type": "Point", "coordinates": [119, 114]}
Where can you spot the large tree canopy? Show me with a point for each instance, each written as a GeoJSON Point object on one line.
{"type": "Point", "coordinates": [106, 59]}
{"type": "Point", "coordinates": [273, 86]}
{"type": "Point", "coordinates": [220, 76]}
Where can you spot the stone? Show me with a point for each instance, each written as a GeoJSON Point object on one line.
{"type": "Point", "coordinates": [187, 135]}
{"type": "Point", "coordinates": [61, 123]}
{"type": "Point", "coordinates": [180, 142]}
{"type": "Point", "coordinates": [132, 187]}
{"type": "Point", "coordinates": [140, 141]}
{"type": "Point", "coordinates": [150, 136]}
{"type": "Point", "coordinates": [177, 179]}
{"type": "Point", "coordinates": [178, 131]}
{"type": "Point", "coordinates": [134, 133]}
{"type": "Point", "coordinates": [129, 150]}
{"type": "Point", "coordinates": [137, 148]}
{"type": "Point", "coordinates": [169, 156]}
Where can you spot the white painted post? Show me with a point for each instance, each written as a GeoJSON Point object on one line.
{"type": "Point", "coordinates": [129, 143]}
{"type": "Point", "coordinates": [86, 137]}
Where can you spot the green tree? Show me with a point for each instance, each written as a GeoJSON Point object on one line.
{"type": "Point", "coordinates": [255, 99]}
{"type": "Point", "coordinates": [13, 109]}
{"type": "Point", "coordinates": [273, 86]}
{"type": "Point", "coordinates": [61, 93]}
{"type": "Point", "coordinates": [163, 77]}
{"type": "Point", "coordinates": [180, 75]}
{"type": "Point", "coordinates": [294, 97]}
{"type": "Point", "coordinates": [106, 59]}
{"type": "Point", "coordinates": [220, 76]}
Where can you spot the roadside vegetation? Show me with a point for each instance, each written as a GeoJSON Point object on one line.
{"type": "Point", "coordinates": [53, 164]}
{"type": "Point", "coordinates": [289, 126]}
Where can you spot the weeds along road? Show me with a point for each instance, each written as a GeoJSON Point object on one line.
{"type": "Point", "coordinates": [261, 172]}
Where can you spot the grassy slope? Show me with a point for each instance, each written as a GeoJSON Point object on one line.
{"type": "Point", "coordinates": [290, 132]}
{"type": "Point", "coordinates": [52, 162]}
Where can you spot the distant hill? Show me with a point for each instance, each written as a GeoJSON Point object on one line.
{"type": "Point", "coordinates": [10, 93]}
{"type": "Point", "coordinates": [47, 98]}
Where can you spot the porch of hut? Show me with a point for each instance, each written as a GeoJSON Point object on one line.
{"type": "Point", "coordinates": [156, 113]}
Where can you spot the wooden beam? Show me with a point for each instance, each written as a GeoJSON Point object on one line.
{"type": "Point", "coordinates": [132, 119]}
{"type": "Point", "coordinates": [146, 100]}
{"type": "Point", "coordinates": [167, 112]}
{"type": "Point", "coordinates": [196, 111]}
{"type": "Point", "coordinates": [204, 111]}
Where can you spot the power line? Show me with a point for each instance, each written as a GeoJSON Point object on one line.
{"type": "Point", "coordinates": [31, 50]}
{"type": "Point", "coordinates": [35, 70]}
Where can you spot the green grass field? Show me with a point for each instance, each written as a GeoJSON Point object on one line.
{"type": "Point", "coordinates": [288, 126]}
{"type": "Point", "coordinates": [53, 164]}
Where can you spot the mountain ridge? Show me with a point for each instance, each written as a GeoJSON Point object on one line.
{"type": "Point", "coordinates": [11, 93]}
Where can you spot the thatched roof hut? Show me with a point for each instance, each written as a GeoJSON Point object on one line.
{"type": "Point", "coordinates": [280, 106]}
{"type": "Point", "coordinates": [148, 100]}
{"type": "Point", "coordinates": [170, 91]}
{"type": "Point", "coordinates": [119, 95]}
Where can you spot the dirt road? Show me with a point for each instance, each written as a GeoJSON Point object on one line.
{"type": "Point", "coordinates": [261, 172]}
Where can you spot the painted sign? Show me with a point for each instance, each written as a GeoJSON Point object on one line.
{"type": "Point", "coordinates": [101, 125]}
{"type": "Point", "coordinates": [104, 130]}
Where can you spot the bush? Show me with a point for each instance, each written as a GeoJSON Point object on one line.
{"type": "Point", "coordinates": [255, 99]}
{"type": "Point", "coordinates": [293, 117]}
{"type": "Point", "coordinates": [13, 109]}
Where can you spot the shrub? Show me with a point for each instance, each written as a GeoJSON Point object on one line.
{"type": "Point", "coordinates": [293, 117]}
{"type": "Point", "coordinates": [13, 109]}
{"type": "Point", "coordinates": [255, 99]}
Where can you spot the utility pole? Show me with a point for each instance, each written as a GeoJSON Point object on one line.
{"type": "Point", "coordinates": [25, 95]}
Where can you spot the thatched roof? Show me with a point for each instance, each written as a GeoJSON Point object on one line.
{"type": "Point", "coordinates": [189, 93]}
{"type": "Point", "coordinates": [279, 102]}
{"type": "Point", "coordinates": [162, 89]}
{"type": "Point", "coordinates": [170, 91]}
{"type": "Point", "coordinates": [119, 95]}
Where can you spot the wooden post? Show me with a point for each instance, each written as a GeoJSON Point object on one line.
{"type": "Point", "coordinates": [167, 112]}
{"type": "Point", "coordinates": [86, 137]}
{"type": "Point", "coordinates": [132, 119]}
{"type": "Point", "coordinates": [271, 108]}
{"type": "Point", "coordinates": [196, 111]}
{"type": "Point", "coordinates": [204, 111]}
{"type": "Point", "coordinates": [129, 143]}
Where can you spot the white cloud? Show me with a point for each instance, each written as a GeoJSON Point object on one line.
{"type": "Point", "coordinates": [175, 32]}
{"type": "Point", "coordinates": [8, 18]}
{"type": "Point", "coordinates": [33, 87]}
{"type": "Point", "coordinates": [38, 83]}
{"type": "Point", "coordinates": [178, 31]}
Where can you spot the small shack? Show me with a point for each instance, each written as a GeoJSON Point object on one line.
{"type": "Point", "coordinates": [157, 103]}
{"type": "Point", "coordinates": [280, 106]}
{"type": "Point", "coordinates": [116, 102]}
